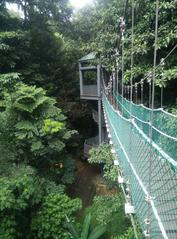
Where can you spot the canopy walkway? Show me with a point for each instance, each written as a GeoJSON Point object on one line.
{"type": "Point", "coordinates": [148, 165]}
{"type": "Point", "coordinates": [144, 140]}
{"type": "Point", "coordinates": [164, 124]}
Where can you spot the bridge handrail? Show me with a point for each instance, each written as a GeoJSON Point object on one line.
{"type": "Point", "coordinates": [159, 149]}
{"type": "Point", "coordinates": [148, 123]}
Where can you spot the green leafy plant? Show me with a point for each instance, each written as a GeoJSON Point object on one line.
{"type": "Point", "coordinates": [109, 210]}
{"type": "Point", "coordinates": [129, 234]}
{"type": "Point", "coordinates": [50, 220]}
{"type": "Point", "coordinates": [87, 232]}
{"type": "Point", "coordinates": [102, 155]}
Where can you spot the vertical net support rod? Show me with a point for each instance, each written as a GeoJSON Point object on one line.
{"type": "Point", "coordinates": [152, 111]}
{"type": "Point", "coordinates": [122, 71]}
{"type": "Point", "coordinates": [131, 99]}
{"type": "Point", "coordinates": [132, 52]}
{"type": "Point", "coordinates": [136, 93]}
{"type": "Point", "coordinates": [122, 26]}
{"type": "Point", "coordinates": [161, 104]}
{"type": "Point", "coordinates": [117, 70]}
{"type": "Point", "coordinates": [114, 86]}
{"type": "Point", "coordinates": [142, 90]}
{"type": "Point", "coordinates": [162, 64]}
{"type": "Point", "coordinates": [150, 91]}
{"type": "Point", "coordinates": [117, 77]}
{"type": "Point", "coordinates": [154, 67]}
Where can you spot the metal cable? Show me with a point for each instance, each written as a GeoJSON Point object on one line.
{"type": "Point", "coordinates": [150, 72]}
{"type": "Point", "coordinates": [147, 122]}
{"type": "Point", "coordinates": [132, 51]}
{"type": "Point", "coordinates": [152, 116]}
{"type": "Point", "coordinates": [122, 68]}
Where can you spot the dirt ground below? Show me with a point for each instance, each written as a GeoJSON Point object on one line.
{"type": "Point", "coordinates": [88, 183]}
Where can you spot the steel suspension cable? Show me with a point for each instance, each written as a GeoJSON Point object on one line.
{"type": "Point", "coordinates": [154, 66]}
{"type": "Point", "coordinates": [122, 26]}
{"type": "Point", "coordinates": [119, 42]}
{"type": "Point", "coordinates": [131, 99]}
{"type": "Point", "coordinates": [132, 52]}
{"type": "Point", "coordinates": [151, 121]}
{"type": "Point", "coordinates": [157, 66]}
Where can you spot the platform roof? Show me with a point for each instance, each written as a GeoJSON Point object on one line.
{"type": "Point", "coordinates": [89, 57]}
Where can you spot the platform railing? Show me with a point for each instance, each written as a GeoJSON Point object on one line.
{"type": "Point", "coordinates": [89, 144]}
{"type": "Point", "coordinates": [90, 90]}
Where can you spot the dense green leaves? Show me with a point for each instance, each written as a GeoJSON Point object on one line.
{"type": "Point", "coordinates": [102, 155]}
{"type": "Point", "coordinates": [108, 210]}
{"type": "Point", "coordinates": [33, 139]}
{"type": "Point", "coordinates": [50, 220]}
{"type": "Point", "coordinates": [39, 54]}
{"type": "Point", "coordinates": [35, 51]}
{"type": "Point", "coordinates": [87, 232]}
{"type": "Point", "coordinates": [20, 189]}
{"type": "Point", "coordinates": [104, 38]}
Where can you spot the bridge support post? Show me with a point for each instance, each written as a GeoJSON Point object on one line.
{"type": "Point", "coordinates": [114, 86]}
{"type": "Point", "coordinates": [99, 103]}
{"type": "Point", "coordinates": [81, 79]}
{"type": "Point", "coordinates": [100, 120]}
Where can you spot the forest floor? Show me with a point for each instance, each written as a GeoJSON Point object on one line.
{"type": "Point", "coordinates": [88, 183]}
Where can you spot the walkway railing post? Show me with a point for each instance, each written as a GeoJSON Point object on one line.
{"type": "Point", "coordinates": [99, 103]}
{"type": "Point", "coordinates": [81, 79]}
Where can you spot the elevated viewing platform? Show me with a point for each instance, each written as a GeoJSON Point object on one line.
{"type": "Point", "coordinates": [89, 73]}
{"type": "Point", "coordinates": [89, 92]}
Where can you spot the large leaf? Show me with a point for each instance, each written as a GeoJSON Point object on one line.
{"type": "Point", "coordinates": [71, 228]}
{"type": "Point", "coordinates": [86, 226]}
{"type": "Point", "coordinates": [97, 232]}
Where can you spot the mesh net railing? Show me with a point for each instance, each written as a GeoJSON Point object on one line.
{"type": "Point", "coordinates": [148, 171]}
{"type": "Point", "coordinates": [164, 129]}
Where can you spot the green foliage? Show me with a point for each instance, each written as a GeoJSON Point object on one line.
{"type": "Point", "coordinates": [11, 49]}
{"type": "Point", "coordinates": [97, 232]}
{"type": "Point", "coordinates": [7, 81]}
{"type": "Point", "coordinates": [129, 234]}
{"type": "Point", "coordinates": [104, 207]}
{"type": "Point", "coordinates": [108, 210]}
{"type": "Point", "coordinates": [37, 127]}
{"type": "Point", "coordinates": [174, 109]}
{"type": "Point", "coordinates": [7, 227]}
{"type": "Point", "coordinates": [32, 132]}
{"type": "Point", "coordinates": [86, 225]}
{"type": "Point", "coordinates": [50, 220]}
{"type": "Point", "coordinates": [52, 126]}
{"type": "Point", "coordinates": [67, 169]}
{"type": "Point", "coordinates": [35, 52]}
{"type": "Point", "coordinates": [104, 37]}
{"type": "Point", "coordinates": [103, 155]}
{"type": "Point", "coordinates": [42, 49]}
{"type": "Point", "coordinates": [87, 232]}
{"type": "Point", "coordinates": [20, 189]}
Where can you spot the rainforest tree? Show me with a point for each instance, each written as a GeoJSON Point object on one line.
{"type": "Point", "coordinates": [35, 165]}
{"type": "Point", "coordinates": [39, 84]}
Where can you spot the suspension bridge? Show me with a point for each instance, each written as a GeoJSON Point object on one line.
{"type": "Point", "coordinates": [143, 140]}
{"type": "Point", "coordinates": [146, 170]}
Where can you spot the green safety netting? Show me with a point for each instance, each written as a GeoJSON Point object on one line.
{"type": "Point", "coordinates": [147, 170]}
{"type": "Point", "coordinates": [164, 130]}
